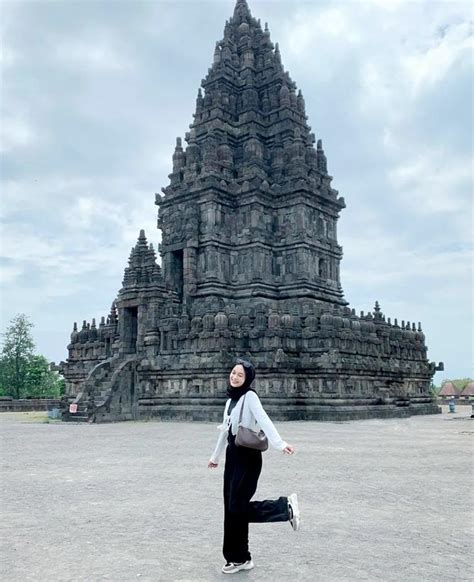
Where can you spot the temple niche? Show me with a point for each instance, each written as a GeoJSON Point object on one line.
{"type": "Point", "coordinates": [250, 266]}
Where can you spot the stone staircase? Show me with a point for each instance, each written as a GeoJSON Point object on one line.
{"type": "Point", "coordinates": [101, 388]}
{"type": "Point", "coordinates": [115, 401]}
{"type": "Point", "coordinates": [82, 413]}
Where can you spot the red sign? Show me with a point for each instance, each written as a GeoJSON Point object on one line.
{"type": "Point", "coordinates": [73, 408]}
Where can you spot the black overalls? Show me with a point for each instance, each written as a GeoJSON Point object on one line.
{"type": "Point", "coordinates": [241, 473]}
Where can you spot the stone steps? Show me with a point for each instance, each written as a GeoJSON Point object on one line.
{"type": "Point", "coordinates": [98, 377]}
{"type": "Point", "coordinates": [78, 418]}
{"type": "Point", "coordinates": [201, 412]}
{"type": "Point", "coordinates": [82, 414]}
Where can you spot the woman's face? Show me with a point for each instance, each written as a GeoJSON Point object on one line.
{"type": "Point", "coordinates": [237, 376]}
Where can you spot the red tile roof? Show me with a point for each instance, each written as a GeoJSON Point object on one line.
{"type": "Point", "coordinates": [468, 389]}
{"type": "Point", "coordinates": [449, 389]}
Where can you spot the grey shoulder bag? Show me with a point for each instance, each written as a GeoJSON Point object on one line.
{"type": "Point", "coordinates": [246, 437]}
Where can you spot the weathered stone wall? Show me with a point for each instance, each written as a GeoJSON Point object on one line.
{"type": "Point", "coordinates": [28, 404]}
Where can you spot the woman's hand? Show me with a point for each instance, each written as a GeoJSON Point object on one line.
{"type": "Point", "coordinates": [212, 465]}
{"type": "Point", "coordinates": [289, 450]}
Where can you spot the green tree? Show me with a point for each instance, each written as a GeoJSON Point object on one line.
{"type": "Point", "coordinates": [460, 383]}
{"type": "Point", "coordinates": [22, 372]}
{"type": "Point", "coordinates": [41, 381]}
{"type": "Point", "coordinates": [17, 351]}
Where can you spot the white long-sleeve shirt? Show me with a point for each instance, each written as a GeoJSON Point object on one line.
{"type": "Point", "coordinates": [253, 417]}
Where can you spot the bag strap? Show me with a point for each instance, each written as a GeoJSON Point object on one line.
{"type": "Point", "coordinates": [242, 409]}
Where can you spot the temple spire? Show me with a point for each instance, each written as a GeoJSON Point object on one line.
{"type": "Point", "coordinates": [243, 89]}
{"type": "Point", "coordinates": [321, 157]}
{"type": "Point", "coordinates": [242, 10]}
{"type": "Point", "coordinates": [142, 238]}
{"type": "Point", "coordinates": [142, 269]}
{"type": "Point", "coordinates": [113, 313]}
{"type": "Point", "coordinates": [179, 158]}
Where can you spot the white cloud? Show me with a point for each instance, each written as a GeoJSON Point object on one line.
{"type": "Point", "coordinates": [393, 79]}
{"type": "Point", "coordinates": [328, 34]}
{"type": "Point", "coordinates": [380, 93]}
{"type": "Point", "coordinates": [388, 5]}
{"type": "Point", "coordinates": [310, 25]}
{"type": "Point", "coordinates": [424, 68]}
{"type": "Point", "coordinates": [54, 255]}
{"type": "Point", "coordinates": [434, 182]}
{"type": "Point", "coordinates": [9, 274]}
{"type": "Point", "coordinates": [15, 132]}
{"type": "Point", "coordinates": [86, 233]}
{"type": "Point", "coordinates": [8, 57]}
{"type": "Point", "coordinates": [88, 211]}
{"type": "Point", "coordinates": [392, 263]}
{"type": "Point", "coordinates": [95, 52]}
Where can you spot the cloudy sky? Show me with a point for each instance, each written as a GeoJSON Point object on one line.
{"type": "Point", "coordinates": [94, 93]}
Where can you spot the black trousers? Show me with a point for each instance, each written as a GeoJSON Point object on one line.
{"type": "Point", "coordinates": [241, 473]}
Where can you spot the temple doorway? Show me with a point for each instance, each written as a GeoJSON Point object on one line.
{"type": "Point", "coordinates": [177, 267]}
{"type": "Point", "coordinates": [130, 315]}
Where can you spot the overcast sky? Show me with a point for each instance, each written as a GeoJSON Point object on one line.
{"type": "Point", "coordinates": [95, 93]}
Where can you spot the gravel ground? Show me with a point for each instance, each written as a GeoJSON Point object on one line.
{"type": "Point", "coordinates": [381, 500]}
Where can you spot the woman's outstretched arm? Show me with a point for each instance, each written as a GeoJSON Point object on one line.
{"type": "Point", "coordinates": [221, 441]}
{"type": "Point", "coordinates": [266, 424]}
{"type": "Point", "coordinates": [214, 460]}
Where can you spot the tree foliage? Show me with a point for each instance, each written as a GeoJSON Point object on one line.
{"type": "Point", "coordinates": [23, 373]}
{"type": "Point", "coordinates": [41, 381]}
{"type": "Point", "coordinates": [18, 348]}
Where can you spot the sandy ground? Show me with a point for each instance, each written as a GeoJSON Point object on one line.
{"type": "Point", "coordinates": [381, 500]}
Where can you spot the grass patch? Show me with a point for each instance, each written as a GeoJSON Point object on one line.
{"type": "Point", "coordinates": [35, 416]}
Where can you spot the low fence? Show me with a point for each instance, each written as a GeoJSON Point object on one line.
{"type": "Point", "coordinates": [8, 404]}
{"type": "Point", "coordinates": [464, 401]}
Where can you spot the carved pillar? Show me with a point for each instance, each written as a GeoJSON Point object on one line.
{"type": "Point", "coordinates": [189, 271]}
{"type": "Point", "coordinates": [167, 269]}
{"type": "Point", "coordinates": [142, 315]}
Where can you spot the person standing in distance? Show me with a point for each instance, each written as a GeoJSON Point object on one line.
{"type": "Point", "coordinates": [242, 470]}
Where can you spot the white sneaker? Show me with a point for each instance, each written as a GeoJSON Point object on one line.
{"type": "Point", "coordinates": [294, 511]}
{"type": "Point", "coordinates": [233, 567]}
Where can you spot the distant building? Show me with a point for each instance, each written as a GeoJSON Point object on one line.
{"type": "Point", "coordinates": [467, 392]}
{"type": "Point", "coordinates": [250, 266]}
{"type": "Point", "coordinates": [449, 390]}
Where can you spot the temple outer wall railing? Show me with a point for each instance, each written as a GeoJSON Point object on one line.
{"type": "Point", "coordinates": [8, 404]}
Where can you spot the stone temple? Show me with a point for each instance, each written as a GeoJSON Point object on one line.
{"type": "Point", "coordinates": [250, 266]}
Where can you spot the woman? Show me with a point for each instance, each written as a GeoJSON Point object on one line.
{"type": "Point", "coordinates": [242, 470]}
